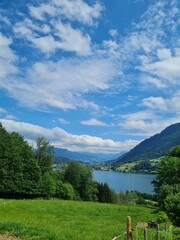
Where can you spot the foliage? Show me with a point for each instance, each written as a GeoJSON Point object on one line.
{"type": "Point", "coordinates": [47, 186]}
{"type": "Point", "coordinates": [162, 217]}
{"type": "Point", "coordinates": [131, 198]}
{"type": "Point", "coordinates": [172, 207]}
{"type": "Point", "coordinates": [81, 178]}
{"type": "Point", "coordinates": [19, 170]}
{"type": "Point", "coordinates": [64, 191]}
{"type": "Point", "coordinates": [105, 194]}
{"type": "Point", "coordinates": [175, 151]}
{"type": "Point", "coordinates": [44, 154]}
{"type": "Point", "coordinates": [167, 185]}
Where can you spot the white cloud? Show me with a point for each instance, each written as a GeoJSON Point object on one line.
{"type": "Point", "coordinates": [4, 20]}
{"type": "Point", "coordinates": [56, 35]}
{"type": "Point", "coordinates": [29, 28]}
{"type": "Point", "coordinates": [9, 116]}
{"type": "Point", "coordinates": [167, 69]}
{"type": "Point", "coordinates": [155, 103]}
{"type": "Point", "coordinates": [46, 44]}
{"type": "Point", "coordinates": [63, 121]}
{"type": "Point", "coordinates": [143, 122]}
{"type": "Point", "coordinates": [158, 83]}
{"type": "Point", "coordinates": [32, 32]}
{"type": "Point", "coordinates": [163, 104]}
{"type": "Point", "coordinates": [72, 39]}
{"type": "Point", "coordinates": [60, 138]}
{"type": "Point", "coordinates": [141, 115]}
{"type": "Point", "coordinates": [111, 47]}
{"type": "Point", "coordinates": [4, 113]}
{"type": "Point", "coordinates": [93, 122]}
{"type": "Point", "coordinates": [7, 58]}
{"type": "Point", "coordinates": [79, 10]}
{"type": "Point", "coordinates": [113, 32]}
{"type": "Point", "coordinates": [76, 10]}
{"type": "Point", "coordinates": [2, 110]}
{"type": "Point", "coordinates": [164, 53]}
{"type": "Point", "coordinates": [43, 9]}
{"type": "Point", "coordinates": [61, 84]}
{"type": "Point", "coordinates": [146, 123]}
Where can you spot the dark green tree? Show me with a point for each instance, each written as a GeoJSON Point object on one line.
{"type": "Point", "coordinates": [72, 174]}
{"type": "Point", "coordinates": [175, 151]}
{"type": "Point", "coordinates": [81, 178]}
{"type": "Point", "coordinates": [5, 160]}
{"type": "Point", "coordinates": [167, 185]}
{"type": "Point", "coordinates": [64, 190]}
{"type": "Point", "coordinates": [44, 155]}
{"type": "Point", "coordinates": [47, 187]}
{"type": "Point", "coordinates": [19, 170]}
{"type": "Point", "coordinates": [25, 169]}
{"type": "Point", "coordinates": [104, 193]}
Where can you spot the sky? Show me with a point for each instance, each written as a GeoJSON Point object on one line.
{"type": "Point", "coordinates": [92, 76]}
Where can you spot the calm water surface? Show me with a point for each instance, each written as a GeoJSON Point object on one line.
{"type": "Point", "coordinates": [120, 181]}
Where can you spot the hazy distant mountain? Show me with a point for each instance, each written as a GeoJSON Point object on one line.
{"type": "Point", "coordinates": [83, 156]}
{"type": "Point", "coordinates": [155, 146]}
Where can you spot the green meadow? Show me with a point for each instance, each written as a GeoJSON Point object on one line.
{"type": "Point", "coordinates": [63, 220]}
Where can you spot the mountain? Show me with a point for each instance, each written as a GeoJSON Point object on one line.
{"type": "Point", "coordinates": [153, 147]}
{"type": "Point", "coordinates": [83, 156]}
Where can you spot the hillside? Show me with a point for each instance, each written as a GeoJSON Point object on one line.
{"type": "Point", "coordinates": [153, 147]}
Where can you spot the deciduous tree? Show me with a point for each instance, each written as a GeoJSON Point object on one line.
{"type": "Point", "coordinates": [44, 154]}
{"type": "Point", "coordinates": [167, 185]}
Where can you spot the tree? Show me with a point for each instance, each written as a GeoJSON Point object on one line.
{"type": "Point", "coordinates": [44, 154]}
{"type": "Point", "coordinates": [47, 185]}
{"type": "Point", "coordinates": [19, 170]}
{"type": "Point", "coordinates": [81, 178]}
{"type": "Point", "coordinates": [64, 190]}
{"type": "Point", "coordinates": [167, 185]}
{"type": "Point", "coordinates": [175, 151]}
{"type": "Point", "coordinates": [105, 194]}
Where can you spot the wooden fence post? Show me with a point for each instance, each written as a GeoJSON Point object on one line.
{"type": "Point", "coordinates": [145, 234]}
{"type": "Point", "coordinates": [158, 234]}
{"type": "Point", "coordinates": [129, 231]}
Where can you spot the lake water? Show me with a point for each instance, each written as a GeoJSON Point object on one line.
{"type": "Point", "coordinates": [120, 181]}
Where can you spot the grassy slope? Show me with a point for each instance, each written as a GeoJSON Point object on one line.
{"type": "Point", "coordinates": [60, 220]}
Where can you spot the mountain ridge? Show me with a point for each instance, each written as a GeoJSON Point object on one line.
{"type": "Point", "coordinates": [153, 147]}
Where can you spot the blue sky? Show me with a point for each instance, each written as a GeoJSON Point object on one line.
{"type": "Point", "coordinates": [97, 76]}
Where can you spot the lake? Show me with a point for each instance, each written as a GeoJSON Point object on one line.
{"type": "Point", "coordinates": [120, 181]}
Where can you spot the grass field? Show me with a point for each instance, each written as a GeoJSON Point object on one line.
{"type": "Point", "coordinates": [126, 167]}
{"type": "Point", "coordinates": [64, 220]}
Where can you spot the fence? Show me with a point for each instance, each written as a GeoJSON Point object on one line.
{"type": "Point", "coordinates": [146, 231]}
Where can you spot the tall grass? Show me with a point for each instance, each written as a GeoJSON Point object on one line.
{"type": "Point", "coordinates": [63, 220]}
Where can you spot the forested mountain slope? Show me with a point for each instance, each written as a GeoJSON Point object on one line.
{"type": "Point", "coordinates": [155, 146]}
